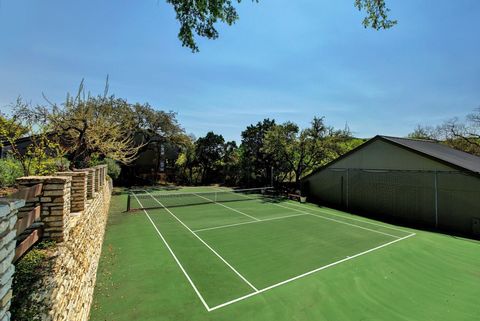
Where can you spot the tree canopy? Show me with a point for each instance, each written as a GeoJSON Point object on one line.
{"type": "Point", "coordinates": [300, 151]}
{"type": "Point", "coordinates": [462, 135]}
{"type": "Point", "coordinates": [198, 17]}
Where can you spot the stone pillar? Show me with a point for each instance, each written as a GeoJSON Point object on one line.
{"type": "Point", "coordinates": [79, 190]}
{"type": "Point", "coordinates": [8, 219]}
{"type": "Point", "coordinates": [90, 180]}
{"type": "Point", "coordinates": [102, 175]}
{"type": "Point", "coordinates": [97, 178]}
{"type": "Point", "coordinates": [55, 202]}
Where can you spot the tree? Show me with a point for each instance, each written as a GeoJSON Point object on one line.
{"type": "Point", "coordinates": [209, 152]}
{"type": "Point", "coordinates": [92, 127]}
{"type": "Point", "coordinates": [256, 164]}
{"type": "Point", "coordinates": [157, 131]}
{"type": "Point", "coordinates": [465, 136]}
{"type": "Point", "coordinates": [186, 162]}
{"type": "Point", "coordinates": [41, 154]}
{"type": "Point", "coordinates": [424, 132]}
{"type": "Point", "coordinates": [302, 151]}
{"type": "Point", "coordinates": [231, 164]}
{"type": "Point", "coordinates": [198, 17]}
{"type": "Point", "coordinates": [461, 135]}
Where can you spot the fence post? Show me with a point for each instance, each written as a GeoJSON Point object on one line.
{"type": "Point", "coordinates": [348, 185]}
{"type": "Point", "coordinates": [436, 198]}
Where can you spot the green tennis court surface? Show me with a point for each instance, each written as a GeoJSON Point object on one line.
{"type": "Point", "coordinates": [255, 257]}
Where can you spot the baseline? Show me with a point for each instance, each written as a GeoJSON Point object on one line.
{"type": "Point", "coordinates": [349, 218]}
{"type": "Point", "coordinates": [341, 222]}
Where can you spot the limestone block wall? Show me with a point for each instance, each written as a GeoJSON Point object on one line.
{"type": "Point", "coordinates": [8, 218]}
{"type": "Point", "coordinates": [74, 208]}
{"type": "Point", "coordinates": [68, 293]}
{"type": "Point", "coordinates": [55, 202]}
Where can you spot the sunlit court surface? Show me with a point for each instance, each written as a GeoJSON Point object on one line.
{"type": "Point", "coordinates": [214, 251]}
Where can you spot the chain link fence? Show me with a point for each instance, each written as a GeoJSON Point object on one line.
{"type": "Point", "coordinates": [442, 199]}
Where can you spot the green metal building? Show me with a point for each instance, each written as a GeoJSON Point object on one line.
{"type": "Point", "coordinates": [414, 181]}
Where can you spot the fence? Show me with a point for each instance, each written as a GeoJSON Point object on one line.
{"type": "Point", "coordinates": [441, 199]}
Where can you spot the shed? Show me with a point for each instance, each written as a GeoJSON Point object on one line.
{"type": "Point", "coordinates": [415, 181]}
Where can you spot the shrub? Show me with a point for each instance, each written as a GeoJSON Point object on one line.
{"type": "Point", "coordinates": [113, 168]}
{"type": "Point", "coordinates": [10, 170]}
{"type": "Point", "coordinates": [29, 272]}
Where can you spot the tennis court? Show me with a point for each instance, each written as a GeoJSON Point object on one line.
{"type": "Point", "coordinates": [250, 256]}
{"type": "Point", "coordinates": [232, 245]}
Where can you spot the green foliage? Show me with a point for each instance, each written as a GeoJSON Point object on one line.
{"type": "Point", "coordinates": [458, 134]}
{"type": "Point", "coordinates": [377, 14]}
{"type": "Point", "coordinates": [186, 163]}
{"type": "Point", "coordinates": [29, 271]}
{"type": "Point", "coordinates": [256, 164]}
{"type": "Point", "coordinates": [209, 151]}
{"type": "Point", "coordinates": [42, 153]}
{"type": "Point", "coordinates": [10, 170]}
{"type": "Point", "coordinates": [113, 168]}
{"type": "Point", "coordinates": [298, 152]}
{"type": "Point", "coordinates": [199, 17]}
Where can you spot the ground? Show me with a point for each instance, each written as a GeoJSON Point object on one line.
{"type": "Point", "coordinates": [263, 260]}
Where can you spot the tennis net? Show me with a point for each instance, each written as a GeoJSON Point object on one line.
{"type": "Point", "coordinates": [145, 200]}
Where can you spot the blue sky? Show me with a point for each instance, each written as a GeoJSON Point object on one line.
{"type": "Point", "coordinates": [284, 59]}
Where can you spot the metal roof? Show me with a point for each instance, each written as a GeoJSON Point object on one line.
{"type": "Point", "coordinates": [428, 148]}
{"type": "Point", "coordinates": [438, 151]}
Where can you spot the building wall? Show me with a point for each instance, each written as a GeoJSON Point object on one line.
{"type": "Point", "coordinates": [383, 155]}
{"type": "Point", "coordinates": [388, 181]}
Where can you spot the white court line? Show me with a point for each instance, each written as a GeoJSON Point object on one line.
{"type": "Point", "coordinates": [349, 218]}
{"type": "Point", "coordinates": [271, 286]}
{"type": "Point", "coordinates": [230, 208]}
{"type": "Point", "coordinates": [250, 222]}
{"type": "Point", "coordinates": [205, 243]}
{"type": "Point", "coordinates": [176, 259]}
{"type": "Point", "coordinates": [334, 220]}
{"type": "Point", "coordinates": [307, 273]}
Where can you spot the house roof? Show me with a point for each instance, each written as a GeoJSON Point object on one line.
{"type": "Point", "coordinates": [428, 148]}
{"type": "Point", "coordinates": [440, 152]}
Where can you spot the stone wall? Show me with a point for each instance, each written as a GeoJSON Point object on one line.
{"type": "Point", "coordinates": [54, 201]}
{"type": "Point", "coordinates": [74, 208]}
{"type": "Point", "coordinates": [8, 218]}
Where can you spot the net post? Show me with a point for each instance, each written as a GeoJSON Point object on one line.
{"type": "Point", "coordinates": [129, 198]}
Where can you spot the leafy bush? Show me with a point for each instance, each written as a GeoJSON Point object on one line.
{"type": "Point", "coordinates": [29, 271]}
{"type": "Point", "coordinates": [113, 168]}
{"type": "Point", "coordinates": [48, 166]}
{"type": "Point", "coordinates": [10, 170]}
